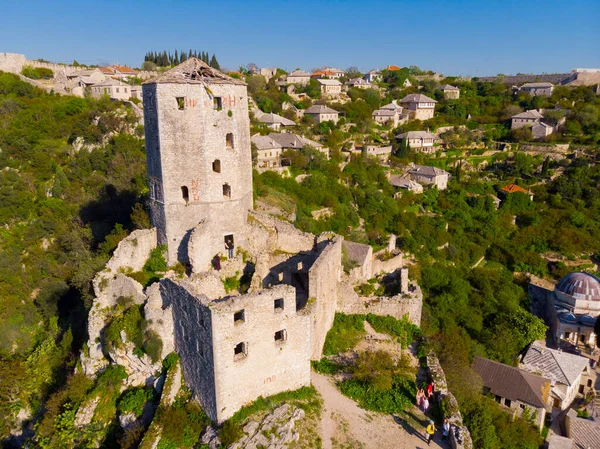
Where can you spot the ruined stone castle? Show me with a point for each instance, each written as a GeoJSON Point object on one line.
{"type": "Point", "coordinates": [257, 339]}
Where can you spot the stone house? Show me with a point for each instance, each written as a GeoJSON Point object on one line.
{"type": "Point", "coordinates": [334, 72]}
{"type": "Point", "coordinates": [268, 72]}
{"type": "Point", "coordinates": [269, 153]}
{"type": "Point", "coordinates": [123, 72]}
{"type": "Point", "coordinates": [419, 106]}
{"type": "Point", "coordinates": [535, 89]}
{"type": "Point", "coordinates": [568, 373]}
{"type": "Point", "coordinates": [136, 92]}
{"type": "Point", "coordinates": [360, 257]}
{"type": "Point", "coordinates": [330, 87]}
{"type": "Point", "coordinates": [524, 119]}
{"type": "Point", "coordinates": [321, 113]}
{"type": "Point", "coordinates": [359, 83]}
{"type": "Point", "coordinates": [115, 89]}
{"type": "Point", "coordinates": [372, 76]}
{"type": "Point", "coordinates": [422, 141]}
{"type": "Point", "coordinates": [428, 175]}
{"type": "Point", "coordinates": [583, 433]}
{"type": "Point", "coordinates": [274, 121]}
{"type": "Point", "coordinates": [450, 92]}
{"type": "Point", "coordinates": [541, 130]}
{"type": "Point", "coordinates": [515, 389]}
{"type": "Point", "coordinates": [85, 78]}
{"type": "Point", "coordinates": [381, 153]}
{"type": "Point", "coordinates": [404, 182]}
{"type": "Point", "coordinates": [390, 113]}
{"type": "Point", "coordinates": [298, 77]}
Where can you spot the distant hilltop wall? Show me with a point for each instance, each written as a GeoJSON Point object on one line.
{"type": "Point", "coordinates": [14, 63]}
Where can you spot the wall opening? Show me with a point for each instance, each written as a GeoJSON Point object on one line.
{"type": "Point", "coordinates": [226, 191]}
{"type": "Point", "coordinates": [280, 336]}
{"type": "Point", "coordinates": [217, 103]}
{"type": "Point", "coordinates": [216, 165]}
{"type": "Point", "coordinates": [229, 140]}
{"type": "Point", "coordinates": [229, 245]}
{"type": "Point", "coordinates": [180, 103]}
{"type": "Point", "coordinates": [278, 304]}
{"type": "Point", "coordinates": [240, 351]}
{"type": "Point", "coordinates": [239, 316]}
{"type": "Point", "coordinates": [185, 193]}
{"type": "Point", "coordinates": [507, 402]}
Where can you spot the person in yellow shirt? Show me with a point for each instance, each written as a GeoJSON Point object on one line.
{"type": "Point", "coordinates": [430, 431]}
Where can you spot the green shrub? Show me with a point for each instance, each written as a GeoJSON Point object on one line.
{"type": "Point", "coordinates": [346, 332]}
{"type": "Point", "coordinates": [36, 73]}
{"type": "Point", "coordinates": [366, 289]}
{"type": "Point", "coordinates": [326, 366]}
{"type": "Point", "coordinates": [134, 400]}
{"type": "Point", "coordinates": [230, 432]}
{"type": "Point", "coordinates": [403, 329]}
{"type": "Point", "coordinates": [156, 263]}
{"type": "Point", "coordinates": [398, 398]}
{"type": "Point", "coordinates": [170, 361]}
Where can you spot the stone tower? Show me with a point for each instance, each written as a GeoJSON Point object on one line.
{"type": "Point", "coordinates": [199, 161]}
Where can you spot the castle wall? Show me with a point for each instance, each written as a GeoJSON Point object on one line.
{"type": "Point", "coordinates": [193, 330]}
{"type": "Point", "coordinates": [182, 146]}
{"type": "Point", "coordinates": [12, 62]}
{"type": "Point", "coordinates": [268, 367]}
{"type": "Point", "coordinates": [323, 290]}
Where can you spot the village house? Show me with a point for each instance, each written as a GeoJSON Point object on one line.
{"type": "Point", "coordinates": [419, 106]}
{"type": "Point", "coordinates": [422, 141]}
{"type": "Point", "coordinates": [327, 73]}
{"type": "Point", "coordinates": [515, 389]}
{"type": "Point", "coordinates": [336, 73]}
{"type": "Point", "coordinates": [269, 153]}
{"type": "Point", "coordinates": [115, 89]}
{"type": "Point", "coordinates": [381, 153]}
{"type": "Point", "coordinates": [119, 71]}
{"type": "Point", "coordinates": [321, 113]}
{"type": "Point", "coordinates": [425, 174]}
{"type": "Point", "coordinates": [392, 68]}
{"type": "Point", "coordinates": [450, 92]}
{"type": "Point", "coordinates": [568, 373]}
{"type": "Point", "coordinates": [535, 89]}
{"type": "Point", "coordinates": [274, 121]}
{"type": "Point", "coordinates": [359, 83]}
{"type": "Point", "coordinates": [583, 433]}
{"type": "Point", "coordinates": [268, 72]}
{"type": "Point", "coordinates": [330, 88]}
{"type": "Point", "coordinates": [298, 77]}
{"type": "Point", "coordinates": [513, 188]}
{"type": "Point", "coordinates": [404, 182]}
{"type": "Point", "coordinates": [390, 113]}
{"type": "Point", "coordinates": [372, 76]}
{"type": "Point", "coordinates": [136, 92]}
{"type": "Point", "coordinates": [527, 118]}
{"type": "Point", "coordinates": [290, 141]}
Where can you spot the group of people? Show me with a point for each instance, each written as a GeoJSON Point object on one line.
{"type": "Point", "coordinates": [424, 396]}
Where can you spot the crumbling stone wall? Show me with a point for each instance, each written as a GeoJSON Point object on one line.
{"type": "Point", "coordinates": [387, 266]}
{"type": "Point", "coordinates": [323, 290]}
{"type": "Point", "coordinates": [408, 304]}
{"type": "Point", "coordinates": [206, 335]}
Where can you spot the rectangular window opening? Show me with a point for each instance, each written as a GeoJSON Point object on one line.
{"type": "Point", "coordinates": [185, 193]}
{"type": "Point", "coordinates": [278, 304]}
{"type": "Point", "coordinates": [507, 402]}
{"type": "Point", "coordinates": [226, 191]}
{"type": "Point", "coordinates": [217, 103]}
{"type": "Point", "coordinates": [240, 351]}
{"type": "Point", "coordinates": [180, 103]}
{"type": "Point", "coordinates": [239, 316]}
{"type": "Point", "coordinates": [216, 166]}
{"type": "Point", "coordinates": [229, 140]}
{"type": "Point", "coordinates": [280, 336]}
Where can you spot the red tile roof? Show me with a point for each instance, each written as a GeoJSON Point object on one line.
{"type": "Point", "coordinates": [124, 69]}
{"type": "Point", "coordinates": [393, 67]}
{"type": "Point", "coordinates": [106, 70]}
{"type": "Point", "coordinates": [512, 188]}
{"type": "Point", "coordinates": [323, 72]}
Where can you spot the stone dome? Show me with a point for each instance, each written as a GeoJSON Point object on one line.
{"type": "Point", "coordinates": [580, 286]}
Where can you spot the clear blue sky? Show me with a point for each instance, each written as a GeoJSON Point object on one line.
{"type": "Point", "coordinates": [469, 37]}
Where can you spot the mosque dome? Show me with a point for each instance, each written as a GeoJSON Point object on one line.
{"type": "Point", "coordinates": [582, 286]}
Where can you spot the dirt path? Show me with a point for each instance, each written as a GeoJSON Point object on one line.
{"type": "Point", "coordinates": [345, 425]}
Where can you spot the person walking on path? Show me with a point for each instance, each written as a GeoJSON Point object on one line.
{"type": "Point", "coordinates": [445, 429]}
{"type": "Point", "coordinates": [429, 389]}
{"type": "Point", "coordinates": [430, 431]}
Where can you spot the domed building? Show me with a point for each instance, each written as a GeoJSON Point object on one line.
{"type": "Point", "coordinates": [576, 306]}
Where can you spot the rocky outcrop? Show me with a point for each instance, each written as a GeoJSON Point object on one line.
{"type": "Point", "coordinates": [159, 318]}
{"type": "Point", "coordinates": [275, 431]}
{"type": "Point", "coordinates": [460, 437]}
{"type": "Point", "coordinates": [85, 413]}
{"type": "Point", "coordinates": [140, 369]}
{"type": "Point", "coordinates": [133, 251]}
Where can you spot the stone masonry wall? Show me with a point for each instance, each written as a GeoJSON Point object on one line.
{"type": "Point", "coordinates": [183, 146]}
{"type": "Point", "coordinates": [323, 290]}
{"type": "Point", "coordinates": [397, 306]}
{"type": "Point", "coordinates": [269, 366]}
{"type": "Point", "coordinates": [133, 251]}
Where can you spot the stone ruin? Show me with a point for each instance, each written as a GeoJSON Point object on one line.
{"type": "Point", "coordinates": [258, 296]}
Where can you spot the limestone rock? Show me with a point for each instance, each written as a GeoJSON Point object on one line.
{"type": "Point", "coordinates": [159, 318]}
{"type": "Point", "coordinates": [275, 431]}
{"type": "Point", "coordinates": [86, 412]}
{"type": "Point", "coordinates": [133, 251]}
{"type": "Point", "coordinates": [127, 420]}
{"type": "Point", "coordinates": [211, 437]}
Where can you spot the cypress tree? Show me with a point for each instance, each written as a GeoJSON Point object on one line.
{"type": "Point", "coordinates": [214, 63]}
